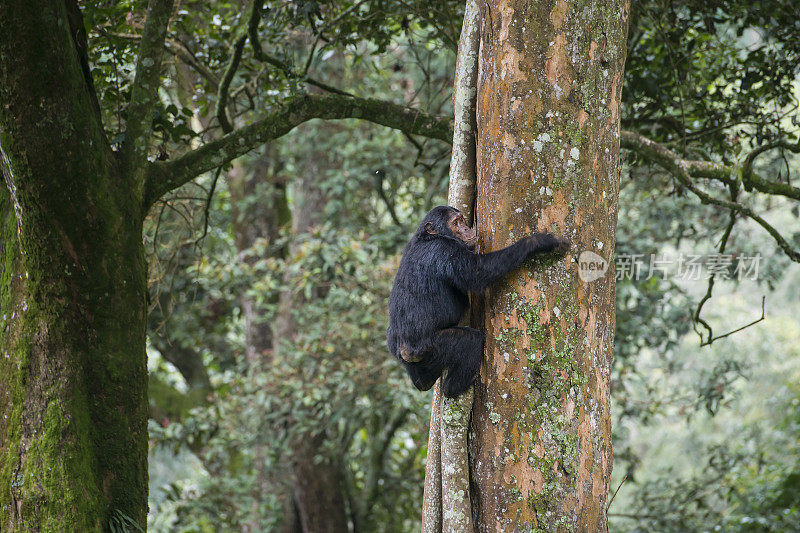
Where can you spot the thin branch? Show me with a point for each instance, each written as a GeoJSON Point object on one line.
{"type": "Point", "coordinates": [737, 330]}
{"type": "Point", "coordinates": [207, 209]}
{"type": "Point", "coordinates": [672, 162]}
{"type": "Point", "coordinates": [281, 119]}
{"type": "Point", "coordinates": [669, 160]}
{"type": "Point", "coordinates": [684, 170]}
{"type": "Point", "coordinates": [624, 479]}
{"type": "Point", "coordinates": [233, 63]}
{"type": "Point", "coordinates": [678, 83]}
{"type": "Point", "coordinates": [260, 55]}
{"type": "Point", "coordinates": [379, 177]}
{"type": "Point", "coordinates": [751, 180]}
{"type": "Point", "coordinates": [637, 516]}
{"type": "Point", "coordinates": [185, 54]}
{"type": "Point", "coordinates": [722, 244]}
{"type": "Point", "coordinates": [146, 82]}
{"type": "Point", "coordinates": [178, 49]}
{"type": "Point", "coordinates": [225, 84]}
{"type": "Point", "coordinates": [310, 58]}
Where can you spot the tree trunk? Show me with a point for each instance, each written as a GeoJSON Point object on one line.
{"type": "Point", "coordinates": [318, 491]}
{"type": "Point", "coordinates": [446, 503]}
{"type": "Point", "coordinates": [317, 477]}
{"type": "Point", "coordinates": [260, 210]}
{"type": "Point", "coordinates": [549, 82]}
{"type": "Point", "coordinates": [73, 408]}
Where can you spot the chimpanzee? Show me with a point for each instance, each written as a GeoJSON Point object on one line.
{"type": "Point", "coordinates": [430, 295]}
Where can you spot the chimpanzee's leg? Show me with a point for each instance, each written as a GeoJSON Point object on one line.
{"type": "Point", "coordinates": [460, 350]}
{"type": "Point", "coordinates": [424, 373]}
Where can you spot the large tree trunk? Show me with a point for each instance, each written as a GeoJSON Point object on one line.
{"type": "Point", "coordinates": [73, 410]}
{"type": "Point", "coordinates": [549, 82]}
{"type": "Point", "coordinates": [73, 430]}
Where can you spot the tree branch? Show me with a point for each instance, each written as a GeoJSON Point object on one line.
{"type": "Point", "coordinates": [463, 160]}
{"type": "Point", "coordinates": [230, 72]}
{"type": "Point", "coordinates": [146, 82]}
{"type": "Point", "coordinates": [182, 52]}
{"type": "Point", "coordinates": [378, 449]}
{"type": "Point", "coordinates": [667, 159]}
{"type": "Point", "coordinates": [166, 176]}
{"type": "Point", "coordinates": [379, 178]}
{"type": "Point", "coordinates": [684, 170]}
{"type": "Point", "coordinates": [737, 330]}
{"type": "Point", "coordinates": [178, 49]}
{"type": "Point", "coordinates": [671, 161]}
{"type": "Point", "coordinates": [751, 180]}
{"type": "Point", "coordinates": [79, 37]}
{"type": "Point", "coordinates": [722, 244]}
{"type": "Point", "coordinates": [260, 55]}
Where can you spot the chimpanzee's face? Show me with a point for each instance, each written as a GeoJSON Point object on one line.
{"type": "Point", "coordinates": [461, 230]}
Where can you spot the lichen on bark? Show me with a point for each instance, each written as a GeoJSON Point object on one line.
{"type": "Point", "coordinates": [548, 160]}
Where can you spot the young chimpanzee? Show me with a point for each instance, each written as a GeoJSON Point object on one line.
{"type": "Point", "coordinates": [429, 297]}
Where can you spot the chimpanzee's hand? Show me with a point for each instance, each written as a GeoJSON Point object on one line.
{"type": "Point", "coordinates": [547, 243]}
{"type": "Point", "coordinates": [562, 245]}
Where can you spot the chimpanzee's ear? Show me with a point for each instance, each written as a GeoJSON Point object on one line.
{"type": "Point", "coordinates": [429, 228]}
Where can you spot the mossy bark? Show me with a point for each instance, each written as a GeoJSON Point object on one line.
{"type": "Point", "coordinates": [549, 81]}
{"type": "Point", "coordinates": [73, 411]}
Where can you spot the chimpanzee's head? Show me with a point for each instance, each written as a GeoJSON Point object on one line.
{"type": "Point", "coordinates": [448, 222]}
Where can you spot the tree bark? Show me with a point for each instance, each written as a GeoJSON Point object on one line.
{"type": "Point", "coordinates": [73, 430]}
{"type": "Point", "coordinates": [318, 491]}
{"type": "Point", "coordinates": [549, 82]}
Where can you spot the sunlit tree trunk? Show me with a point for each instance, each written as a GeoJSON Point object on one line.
{"type": "Point", "coordinates": [549, 81]}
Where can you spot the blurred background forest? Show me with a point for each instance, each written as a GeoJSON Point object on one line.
{"type": "Point", "coordinates": [269, 277]}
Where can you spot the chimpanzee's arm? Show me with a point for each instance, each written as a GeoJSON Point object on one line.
{"type": "Point", "coordinates": [475, 272]}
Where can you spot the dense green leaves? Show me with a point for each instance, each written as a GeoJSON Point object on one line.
{"type": "Point", "coordinates": [709, 76]}
{"type": "Point", "coordinates": [710, 80]}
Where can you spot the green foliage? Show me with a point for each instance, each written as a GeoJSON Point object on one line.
{"type": "Point", "coordinates": [334, 374]}
{"type": "Point", "coordinates": [706, 79]}
{"type": "Point", "coordinates": [711, 76]}
{"type": "Point", "coordinates": [122, 523]}
{"type": "Point", "coordinates": [738, 488]}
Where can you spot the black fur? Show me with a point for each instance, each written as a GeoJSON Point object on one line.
{"type": "Point", "coordinates": [430, 295]}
